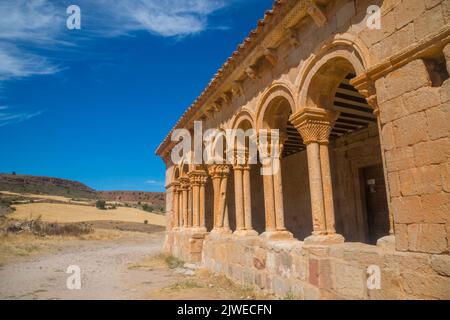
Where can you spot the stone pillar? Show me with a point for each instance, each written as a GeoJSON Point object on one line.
{"type": "Point", "coordinates": [190, 206]}
{"type": "Point", "coordinates": [247, 201]}
{"type": "Point", "coordinates": [175, 207]}
{"type": "Point", "coordinates": [219, 175]}
{"type": "Point", "coordinates": [184, 196]}
{"type": "Point", "coordinates": [273, 189]}
{"type": "Point", "coordinates": [197, 179]}
{"type": "Point", "coordinates": [243, 201]}
{"type": "Point", "coordinates": [314, 125]}
{"type": "Point", "coordinates": [239, 198]}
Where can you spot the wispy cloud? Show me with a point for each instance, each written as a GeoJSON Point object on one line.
{"type": "Point", "coordinates": [28, 27]}
{"type": "Point", "coordinates": [155, 182]}
{"type": "Point", "coordinates": [25, 25]}
{"type": "Point", "coordinates": [8, 116]}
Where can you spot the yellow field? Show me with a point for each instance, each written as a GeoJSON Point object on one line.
{"type": "Point", "coordinates": [42, 196]}
{"type": "Point", "coordinates": [52, 212]}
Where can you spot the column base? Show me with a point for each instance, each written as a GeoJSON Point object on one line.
{"type": "Point", "coordinates": [277, 235]}
{"type": "Point", "coordinates": [324, 239]}
{"type": "Point", "coordinates": [387, 242]}
{"type": "Point", "coordinates": [199, 229]}
{"type": "Point", "coordinates": [220, 231]}
{"type": "Point", "coordinates": [245, 233]}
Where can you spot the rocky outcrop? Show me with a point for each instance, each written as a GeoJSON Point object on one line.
{"type": "Point", "coordinates": [45, 185]}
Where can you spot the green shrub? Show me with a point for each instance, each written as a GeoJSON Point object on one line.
{"type": "Point", "coordinates": [173, 262]}
{"type": "Point", "coordinates": [147, 208]}
{"type": "Point", "coordinates": [100, 204]}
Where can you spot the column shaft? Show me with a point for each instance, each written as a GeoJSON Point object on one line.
{"type": "Point", "coordinates": [327, 189]}
{"type": "Point", "coordinates": [175, 216]}
{"type": "Point", "coordinates": [239, 200]}
{"type": "Point", "coordinates": [202, 205]}
{"type": "Point", "coordinates": [185, 207]}
{"type": "Point", "coordinates": [269, 202]}
{"type": "Point", "coordinates": [247, 199]}
{"type": "Point", "coordinates": [216, 187]}
{"type": "Point", "coordinates": [316, 188]}
{"type": "Point", "coordinates": [195, 206]}
{"type": "Point", "coordinates": [278, 198]}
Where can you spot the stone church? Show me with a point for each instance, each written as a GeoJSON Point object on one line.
{"type": "Point", "coordinates": [360, 208]}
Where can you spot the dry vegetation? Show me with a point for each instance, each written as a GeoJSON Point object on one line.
{"type": "Point", "coordinates": [63, 213]}
{"type": "Point", "coordinates": [203, 285]}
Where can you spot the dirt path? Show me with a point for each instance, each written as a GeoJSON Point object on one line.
{"type": "Point", "coordinates": [105, 271]}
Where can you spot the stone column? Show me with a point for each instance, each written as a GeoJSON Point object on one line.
{"type": "Point", "coordinates": [175, 210]}
{"type": "Point", "coordinates": [190, 206]}
{"type": "Point", "coordinates": [219, 175]}
{"type": "Point", "coordinates": [197, 179]}
{"type": "Point", "coordinates": [239, 198]}
{"type": "Point", "coordinates": [184, 196]}
{"type": "Point", "coordinates": [202, 197]}
{"type": "Point", "coordinates": [247, 202]}
{"type": "Point", "coordinates": [314, 125]}
{"type": "Point", "coordinates": [273, 190]}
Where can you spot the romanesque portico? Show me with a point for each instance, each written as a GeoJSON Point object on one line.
{"type": "Point", "coordinates": [361, 170]}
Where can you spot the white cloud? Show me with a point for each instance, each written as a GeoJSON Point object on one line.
{"type": "Point", "coordinates": [40, 24]}
{"type": "Point", "coordinates": [154, 182]}
{"type": "Point", "coordinates": [8, 117]}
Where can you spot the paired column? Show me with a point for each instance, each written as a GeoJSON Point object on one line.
{"type": "Point", "coordinates": [243, 201]}
{"type": "Point", "coordinates": [184, 187]}
{"type": "Point", "coordinates": [198, 181]}
{"type": "Point", "coordinates": [219, 176]}
{"type": "Point", "coordinates": [175, 205]}
{"type": "Point", "coordinates": [314, 125]}
{"type": "Point", "coordinates": [273, 187]}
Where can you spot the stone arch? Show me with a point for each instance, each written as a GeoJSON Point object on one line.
{"type": "Point", "coordinates": [323, 71]}
{"type": "Point", "coordinates": [273, 97]}
{"type": "Point", "coordinates": [239, 118]}
{"type": "Point", "coordinates": [176, 174]}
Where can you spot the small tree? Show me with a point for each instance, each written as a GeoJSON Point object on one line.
{"type": "Point", "coordinates": [100, 204]}
{"type": "Point", "coordinates": [147, 208]}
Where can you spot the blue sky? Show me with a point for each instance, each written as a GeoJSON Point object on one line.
{"type": "Point", "coordinates": [93, 104]}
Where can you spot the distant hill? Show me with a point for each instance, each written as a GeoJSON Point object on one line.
{"type": "Point", "coordinates": [45, 185]}
{"type": "Point", "coordinates": [74, 189]}
{"type": "Point", "coordinates": [154, 198]}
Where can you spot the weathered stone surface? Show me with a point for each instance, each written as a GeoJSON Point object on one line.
{"type": "Point", "coordinates": [408, 78]}
{"type": "Point", "coordinates": [441, 264]}
{"type": "Point", "coordinates": [349, 280]}
{"type": "Point", "coordinates": [427, 238]}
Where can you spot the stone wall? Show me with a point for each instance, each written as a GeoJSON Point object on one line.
{"type": "Point", "coordinates": [415, 119]}
{"type": "Point", "coordinates": [291, 268]}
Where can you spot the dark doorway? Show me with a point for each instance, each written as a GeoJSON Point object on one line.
{"type": "Point", "coordinates": [375, 199]}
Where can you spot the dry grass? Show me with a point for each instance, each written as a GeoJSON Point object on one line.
{"type": "Point", "coordinates": [45, 197]}
{"type": "Point", "coordinates": [203, 285]}
{"type": "Point", "coordinates": [64, 213]}
{"type": "Point", "coordinates": [15, 246]}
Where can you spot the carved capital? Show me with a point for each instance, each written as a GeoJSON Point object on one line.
{"type": "Point", "coordinates": [314, 124]}
{"type": "Point", "coordinates": [217, 171]}
{"type": "Point", "coordinates": [184, 183]}
{"type": "Point", "coordinates": [198, 177]}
